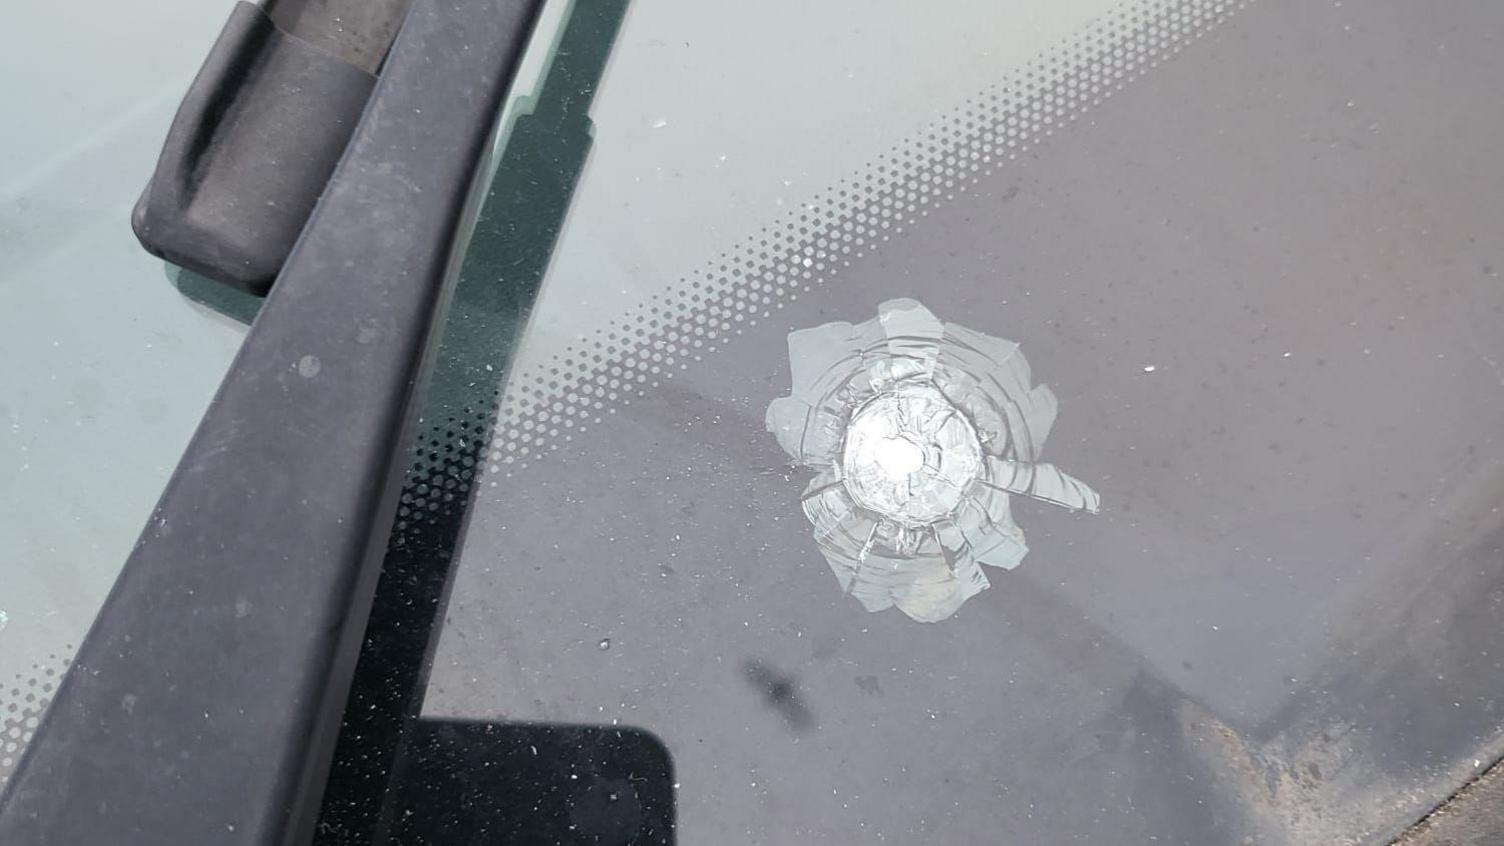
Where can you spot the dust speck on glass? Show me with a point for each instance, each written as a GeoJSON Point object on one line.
{"type": "Point", "coordinates": [918, 431]}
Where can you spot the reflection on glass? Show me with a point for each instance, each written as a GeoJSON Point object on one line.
{"type": "Point", "coordinates": [918, 431]}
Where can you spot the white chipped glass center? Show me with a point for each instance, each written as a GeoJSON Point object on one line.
{"type": "Point", "coordinates": [898, 457]}
{"type": "Point", "coordinates": [910, 455]}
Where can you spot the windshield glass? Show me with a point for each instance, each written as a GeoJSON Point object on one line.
{"type": "Point", "coordinates": [1032, 422]}
{"type": "Point", "coordinates": [110, 355]}
{"type": "Point", "coordinates": [1036, 422]}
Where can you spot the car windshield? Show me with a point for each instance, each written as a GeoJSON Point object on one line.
{"type": "Point", "coordinates": [111, 356]}
{"type": "Point", "coordinates": [754, 524]}
{"type": "Point", "coordinates": [1036, 422]}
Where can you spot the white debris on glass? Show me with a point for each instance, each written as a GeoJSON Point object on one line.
{"type": "Point", "coordinates": [918, 432]}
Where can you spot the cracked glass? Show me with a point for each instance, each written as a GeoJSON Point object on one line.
{"type": "Point", "coordinates": [917, 432]}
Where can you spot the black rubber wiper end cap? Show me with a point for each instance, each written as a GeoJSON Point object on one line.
{"type": "Point", "coordinates": [249, 152]}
